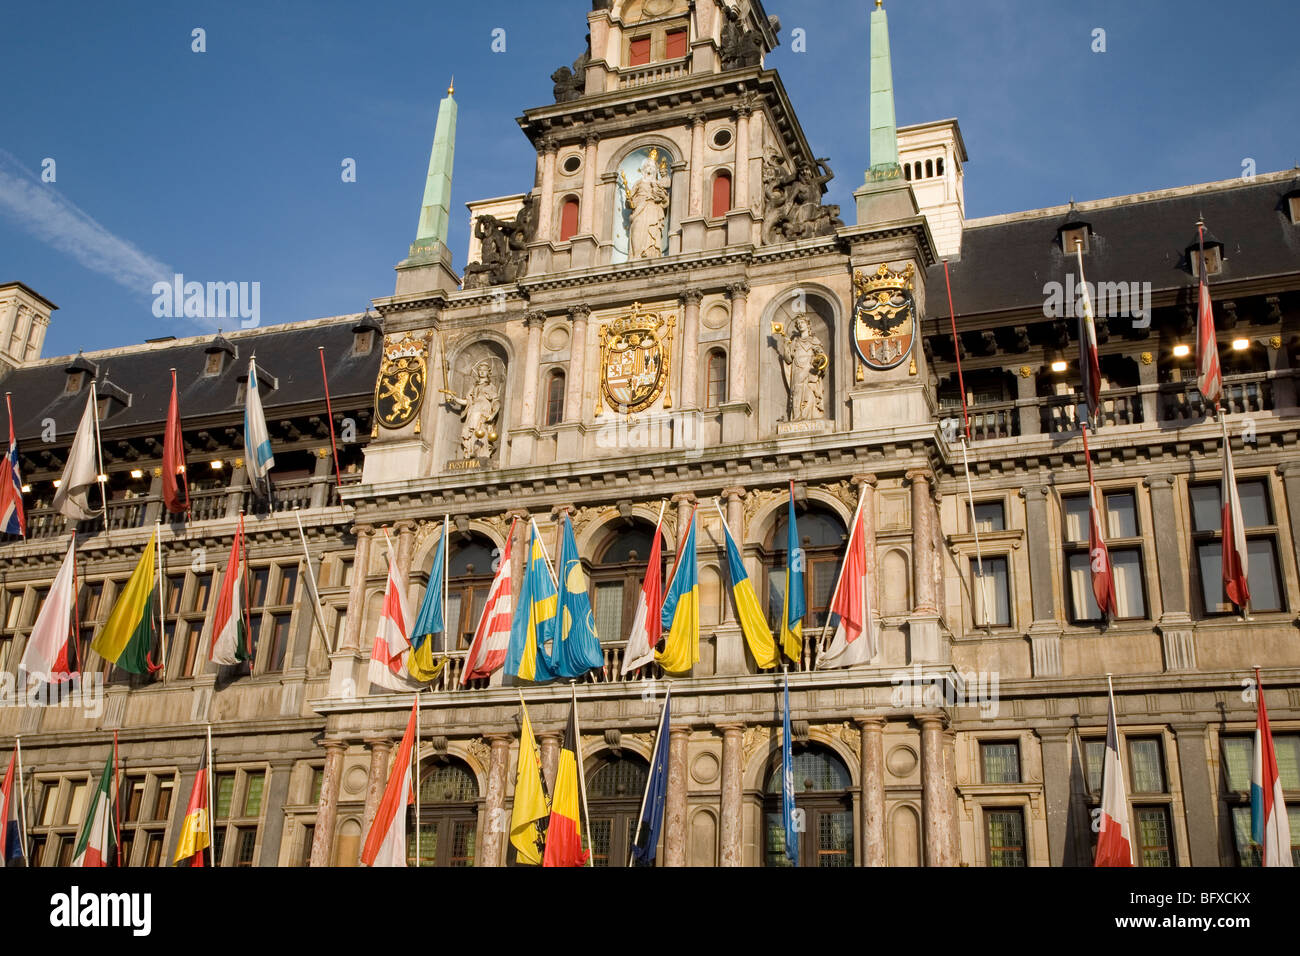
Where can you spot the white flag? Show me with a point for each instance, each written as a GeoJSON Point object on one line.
{"type": "Point", "coordinates": [46, 657]}
{"type": "Point", "coordinates": [72, 498]}
{"type": "Point", "coordinates": [257, 440]}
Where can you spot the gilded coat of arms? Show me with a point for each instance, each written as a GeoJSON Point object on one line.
{"type": "Point", "coordinates": [399, 391]}
{"type": "Point", "coordinates": [884, 317]}
{"type": "Point", "coordinates": [635, 361]}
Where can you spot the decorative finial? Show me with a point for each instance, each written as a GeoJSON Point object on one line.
{"type": "Point", "coordinates": [880, 4]}
{"type": "Point", "coordinates": [451, 87]}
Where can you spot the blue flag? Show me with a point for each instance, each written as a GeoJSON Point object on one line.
{"type": "Point", "coordinates": [430, 619]}
{"type": "Point", "coordinates": [787, 783]}
{"type": "Point", "coordinates": [578, 648]}
{"type": "Point", "coordinates": [793, 610]}
{"type": "Point", "coordinates": [656, 794]}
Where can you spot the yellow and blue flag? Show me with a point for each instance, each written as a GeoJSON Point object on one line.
{"type": "Point", "coordinates": [793, 607]}
{"type": "Point", "coordinates": [681, 612]}
{"type": "Point", "coordinates": [752, 622]}
{"type": "Point", "coordinates": [534, 624]}
{"type": "Point", "coordinates": [431, 619]}
{"type": "Point", "coordinates": [578, 649]}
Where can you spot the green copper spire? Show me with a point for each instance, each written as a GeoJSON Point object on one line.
{"type": "Point", "coordinates": [434, 215]}
{"type": "Point", "coordinates": [884, 130]}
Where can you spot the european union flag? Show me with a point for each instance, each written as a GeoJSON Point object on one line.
{"type": "Point", "coordinates": [578, 649]}
{"type": "Point", "coordinates": [656, 794]}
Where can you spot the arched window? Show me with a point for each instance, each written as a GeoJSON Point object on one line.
{"type": "Point", "coordinates": [822, 536]}
{"type": "Point", "coordinates": [822, 790]}
{"type": "Point", "coordinates": [916, 169]}
{"type": "Point", "coordinates": [614, 794]}
{"type": "Point", "coordinates": [716, 379]}
{"type": "Point", "coordinates": [938, 166]}
{"type": "Point", "coordinates": [555, 397]}
{"type": "Point", "coordinates": [617, 576]}
{"type": "Point", "coordinates": [568, 219]}
{"type": "Point", "coordinates": [469, 577]}
{"type": "Point", "coordinates": [721, 194]}
{"type": "Point", "coordinates": [448, 815]}
{"type": "Point", "coordinates": [907, 171]}
{"type": "Point", "coordinates": [929, 168]}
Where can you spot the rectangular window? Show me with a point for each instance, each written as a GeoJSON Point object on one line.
{"type": "Point", "coordinates": [1263, 570]}
{"type": "Point", "coordinates": [154, 849]}
{"type": "Point", "coordinates": [609, 607]}
{"type": "Point", "coordinates": [1000, 761]}
{"type": "Point", "coordinates": [134, 796]}
{"type": "Point", "coordinates": [46, 799]}
{"type": "Point", "coordinates": [1154, 846]}
{"type": "Point", "coordinates": [1005, 833]}
{"type": "Point", "coordinates": [638, 51]}
{"type": "Point", "coordinates": [304, 853]}
{"type": "Point", "coordinates": [75, 811]}
{"type": "Point", "coordinates": [245, 843]}
{"type": "Point", "coordinates": [1123, 543]}
{"type": "Point", "coordinates": [257, 587]}
{"type": "Point", "coordinates": [991, 592]}
{"type": "Point", "coordinates": [163, 803]}
{"type": "Point", "coordinates": [1095, 751]}
{"type": "Point", "coordinates": [674, 44]}
{"type": "Point", "coordinates": [1238, 754]}
{"type": "Point", "coordinates": [288, 583]}
{"type": "Point", "coordinates": [224, 787]}
{"type": "Point", "coordinates": [253, 795]}
{"type": "Point", "coordinates": [317, 778]}
{"type": "Point", "coordinates": [279, 624]}
{"type": "Point", "coordinates": [990, 516]}
{"type": "Point", "coordinates": [1146, 765]}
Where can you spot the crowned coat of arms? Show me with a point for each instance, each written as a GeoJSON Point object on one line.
{"type": "Point", "coordinates": [884, 316]}
{"type": "Point", "coordinates": [399, 391]}
{"type": "Point", "coordinates": [635, 361]}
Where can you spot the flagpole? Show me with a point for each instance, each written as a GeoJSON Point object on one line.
{"type": "Point", "coordinates": [162, 600]}
{"type": "Point", "coordinates": [654, 753]}
{"type": "Point", "coordinates": [446, 561]}
{"type": "Point", "coordinates": [117, 799]}
{"type": "Point", "coordinates": [415, 757]}
{"type": "Point", "coordinates": [22, 793]}
{"type": "Point", "coordinates": [316, 610]}
{"type": "Point", "coordinates": [101, 477]}
{"type": "Point", "coordinates": [329, 411]}
{"type": "Point", "coordinates": [582, 779]}
{"type": "Point", "coordinates": [212, 806]}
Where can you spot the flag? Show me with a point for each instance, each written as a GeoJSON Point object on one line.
{"type": "Point", "coordinates": [257, 440]}
{"type": "Point", "coordinates": [656, 793]}
{"type": "Point", "coordinates": [175, 485]}
{"type": "Point", "coordinates": [753, 624]}
{"type": "Point", "coordinates": [232, 641]}
{"type": "Point", "coordinates": [196, 829]}
{"type": "Point", "coordinates": [429, 620]}
{"type": "Point", "coordinates": [12, 520]}
{"type": "Point", "coordinates": [680, 616]}
{"type": "Point", "coordinates": [578, 649]}
{"type": "Point", "coordinates": [564, 831]}
{"type": "Point", "coordinates": [1235, 560]}
{"type": "Point", "coordinates": [1269, 826]}
{"type": "Point", "coordinates": [647, 626]}
{"type": "Point", "coordinates": [793, 605]}
{"type": "Point", "coordinates": [79, 473]}
{"type": "Point", "coordinates": [390, 650]}
{"type": "Point", "coordinates": [787, 782]}
{"type": "Point", "coordinates": [1103, 580]}
{"type": "Point", "coordinates": [386, 841]}
{"type": "Point", "coordinates": [1114, 847]}
{"type": "Point", "coordinates": [96, 840]}
{"type": "Point", "coordinates": [46, 657]}
{"type": "Point", "coordinates": [534, 621]}
{"type": "Point", "coordinates": [1209, 374]}
{"type": "Point", "coordinates": [11, 835]}
{"type": "Point", "coordinates": [487, 651]}
{"type": "Point", "coordinates": [531, 804]}
{"type": "Point", "coordinates": [127, 638]}
{"type": "Point", "coordinates": [1089, 364]}
{"type": "Point", "coordinates": [855, 640]}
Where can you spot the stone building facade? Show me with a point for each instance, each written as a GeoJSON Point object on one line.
{"type": "Point", "coordinates": [671, 316]}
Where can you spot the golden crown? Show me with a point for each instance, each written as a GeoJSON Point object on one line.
{"type": "Point", "coordinates": [884, 279]}
{"type": "Point", "coordinates": [406, 347]}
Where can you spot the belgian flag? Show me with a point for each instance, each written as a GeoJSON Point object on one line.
{"type": "Point", "coordinates": [564, 831]}
{"type": "Point", "coordinates": [196, 831]}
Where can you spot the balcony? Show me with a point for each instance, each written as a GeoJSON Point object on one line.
{"type": "Point", "coordinates": [652, 73]}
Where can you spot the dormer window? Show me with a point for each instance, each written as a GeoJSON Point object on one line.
{"type": "Point", "coordinates": [216, 361]}
{"type": "Point", "coordinates": [1074, 235]}
{"type": "Point", "coordinates": [81, 373]}
{"type": "Point", "coordinates": [365, 334]}
{"type": "Point", "coordinates": [1291, 202]}
{"type": "Point", "coordinates": [217, 356]}
{"type": "Point", "coordinates": [75, 381]}
{"type": "Point", "coordinates": [1213, 256]}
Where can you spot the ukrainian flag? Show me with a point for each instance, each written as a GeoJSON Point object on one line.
{"type": "Point", "coordinates": [128, 635]}
{"type": "Point", "coordinates": [681, 611]}
{"type": "Point", "coordinates": [752, 622]}
{"type": "Point", "coordinates": [534, 622]}
{"type": "Point", "coordinates": [578, 649]}
{"type": "Point", "coordinates": [430, 621]}
{"type": "Point", "coordinates": [793, 610]}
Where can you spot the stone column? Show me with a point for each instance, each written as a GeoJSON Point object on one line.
{"type": "Point", "coordinates": [579, 316]}
{"type": "Point", "coordinates": [675, 804]}
{"type": "Point", "coordinates": [497, 823]}
{"type": "Point", "coordinates": [586, 215]}
{"type": "Point", "coordinates": [685, 502]}
{"type": "Point", "coordinates": [740, 198]}
{"type": "Point", "coordinates": [735, 411]}
{"type": "Point", "coordinates": [1290, 472]}
{"type": "Point", "coordinates": [357, 591]}
{"type": "Point", "coordinates": [1045, 628]}
{"type": "Point", "coordinates": [732, 828]}
{"type": "Point", "coordinates": [735, 512]}
{"type": "Point", "coordinates": [405, 545]}
{"type": "Point", "coordinates": [380, 750]}
{"type": "Point", "coordinates": [322, 844]}
{"type": "Point", "coordinates": [1198, 796]}
{"type": "Point", "coordinates": [549, 745]}
{"type": "Point", "coordinates": [533, 322]}
{"type": "Point", "coordinates": [924, 598]}
{"type": "Point", "coordinates": [689, 396]}
{"type": "Point", "coordinates": [518, 548]}
{"type": "Point", "coordinates": [1175, 624]}
{"type": "Point", "coordinates": [872, 745]}
{"type": "Point", "coordinates": [1027, 402]}
{"type": "Point", "coordinates": [695, 207]}
{"type": "Point", "coordinates": [935, 808]}
{"type": "Point", "coordinates": [546, 205]}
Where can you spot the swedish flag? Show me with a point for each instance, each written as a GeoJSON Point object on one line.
{"type": "Point", "coordinates": [793, 610]}
{"type": "Point", "coordinates": [681, 612]}
{"type": "Point", "coordinates": [578, 649]}
{"type": "Point", "coordinates": [534, 623]}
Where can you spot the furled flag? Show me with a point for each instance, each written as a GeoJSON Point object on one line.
{"type": "Point", "coordinates": [1114, 846]}
{"type": "Point", "coordinates": [656, 793]}
{"type": "Point", "coordinates": [175, 484]}
{"type": "Point", "coordinates": [578, 648]}
{"type": "Point", "coordinates": [534, 623]}
{"type": "Point", "coordinates": [386, 842]}
{"type": "Point", "coordinates": [128, 636]}
{"type": "Point", "coordinates": [748, 611]}
{"type": "Point", "coordinates": [793, 605]}
{"type": "Point", "coordinates": [855, 640]}
{"type": "Point", "coordinates": [788, 809]}
{"type": "Point", "coordinates": [1089, 364]}
{"type": "Point", "coordinates": [12, 520]}
{"type": "Point", "coordinates": [532, 806]}
{"type": "Point", "coordinates": [647, 626]}
{"type": "Point", "coordinates": [487, 651]}
{"type": "Point", "coordinates": [47, 655]}
{"type": "Point", "coordinates": [1235, 560]}
{"type": "Point", "coordinates": [564, 831]}
{"type": "Point", "coordinates": [429, 621]}
{"type": "Point", "coordinates": [1269, 826]}
{"type": "Point", "coordinates": [196, 829]}
{"type": "Point", "coordinates": [231, 635]}
{"type": "Point", "coordinates": [1103, 578]}
{"type": "Point", "coordinates": [680, 616]}
{"type": "Point", "coordinates": [73, 495]}
{"type": "Point", "coordinates": [1209, 374]}
{"type": "Point", "coordinates": [257, 440]}
{"type": "Point", "coordinates": [96, 840]}
{"type": "Point", "coordinates": [11, 835]}
{"type": "Point", "coordinates": [391, 648]}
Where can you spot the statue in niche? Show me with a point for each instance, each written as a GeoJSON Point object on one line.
{"type": "Point", "coordinates": [803, 363]}
{"type": "Point", "coordinates": [792, 199]}
{"type": "Point", "coordinates": [503, 255]}
{"type": "Point", "coordinates": [648, 202]}
{"type": "Point", "coordinates": [479, 408]}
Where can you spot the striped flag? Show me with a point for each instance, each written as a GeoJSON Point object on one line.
{"type": "Point", "coordinates": [196, 830]}
{"type": "Point", "coordinates": [1235, 560]}
{"type": "Point", "coordinates": [487, 651]}
{"type": "Point", "coordinates": [1269, 826]}
{"type": "Point", "coordinates": [753, 624]}
{"type": "Point", "coordinates": [855, 640]}
{"type": "Point", "coordinates": [386, 842]}
{"type": "Point", "coordinates": [1209, 374]}
{"type": "Point", "coordinates": [257, 440]}
{"type": "Point", "coordinates": [231, 635]}
{"type": "Point", "coordinates": [1089, 363]}
{"type": "Point", "coordinates": [11, 835]}
{"type": "Point", "coordinates": [46, 657]}
{"type": "Point", "coordinates": [128, 636]}
{"type": "Point", "coordinates": [1114, 846]}
{"type": "Point", "coordinates": [12, 520]}
{"type": "Point", "coordinates": [532, 806]}
{"type": "Point", "coordinates": [647, 627]}
{"type": "Point", "coordinates": [389, 652]}
{"type": "Point", "coordinates": [564, 831]}
{"type": "Point", "coordinates": [73, 495]}
{"type": "Point", "coordinates": [96, 840]}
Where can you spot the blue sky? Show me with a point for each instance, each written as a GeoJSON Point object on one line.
{"type": "Point", "coordinates": [225, 165]}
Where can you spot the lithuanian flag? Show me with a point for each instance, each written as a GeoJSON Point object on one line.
{"type": "Point", "coordinates": [564, 831]}
{"type": "Point", "coordinates": [129, 634]}
{"type": "Point", "coordinates": [196, 830]}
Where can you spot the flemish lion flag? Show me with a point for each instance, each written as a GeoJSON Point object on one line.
{"type": "Point", "coordinates": [532, 806]}
{"type": "Point", "coordinates": [95, 843]}
{"type": "Point", "coordinates": [128, 636]}
{"type": "Point", "coordinates": [195, 831]}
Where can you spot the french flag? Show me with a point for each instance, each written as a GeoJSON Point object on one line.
{"type": "Point", "coordinates": [1268, 823]}
{"type": "Point", "coordinates": [11, 491]}
{"type": "Point", "coordinates": [1114, 845]}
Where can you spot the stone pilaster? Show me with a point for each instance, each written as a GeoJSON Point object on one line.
{"type": "Point", "coordinates": [733, 823]}
{"type": "Point", "coordinates": [695, 207]}
{"type": "Point", "coordinates": [872, 734]}
{"type": "Point", "coordinates": [935, 804]}
{"type": "Point", "coordinates": [525, 436]}
{"type": "Point", "coordinates": [739, 218]}
{"type": "Point", "coordinates": [546, 207]}
{"type": "Point", "coordinates": [1198, 795]}
{"type": "Point", "coordinates": [327, 809]}
{"type": "Point", "coordinates": [1057, 792]}
{"type": "Point", "coordinates": [689, 396]}
{"type": "Point", "coordinates": [735, 410]}
{"type": "Point", "coordinates": [1175, 623]}
{"type": "Point", "coordinates": [685, 503]}
{"type": "Point", "coordinates": [586, 215]}
{"type": "Point", "coordinates": [923, 623]}
{"type": "Point", "coordinates": [675, 803]}
{"type": "Point", "coordinates": [579, 315]}
{"type": "Point", "coordinates": [1045, 628]}
{"type": "Point", "coordinates": [381, 749]}
{"type": "Point", "coordinates": [549, 746]}
{"type": "Point", "coordinates": [498, 825]}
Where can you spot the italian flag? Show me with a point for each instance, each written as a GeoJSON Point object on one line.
{"type": "Point", "coordinates": [129, 635]}
{"type": "Point", "coordinates": [95, 843]}
{"type": "Point", "coordinates": [230, 632]}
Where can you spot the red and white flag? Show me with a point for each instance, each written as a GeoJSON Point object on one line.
{"type": "Point", "coordinates": [855, 634]}
{"type": "Point", "coordinates": [175, 485]}
{"type": "Point", "coordinates": [1235, 560]}
{"type": "Point", "coordinates": [231, 635]}
{"type": "Point", "coordinates": [46, 656]}
{"type": "Point", "coordinates": [1103, 578]}
{"type": "Point", "coordinates": [647, 625]}
{"type": "Point", "coordinates": [1114, 845]}
{"type": "Point", "coordinates": [392, 642]}
{"type": "Point", "coordinates": [487, 651]}
{"type": "Point", "coordinates": [1269, 826]}
{"type": "Point", "coordinates": [386, 842]}
{"type": "Point", "coordinates": [1209, 375]}
{"type": "Point", "coordinates": [1089, 362]}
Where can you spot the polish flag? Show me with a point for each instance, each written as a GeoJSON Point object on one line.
{"type": "Point", "coordinates": [1114, 845]}
{"type": "Point", "coordinates": [647, 626]}
{"type": "Point", "coordinates": [386, 842]}
{"type": "Point", "coordinates": [487, 652]}
{"type": "Point", "coordinates": [1268, 822]}
{"type": "Point", "coordinates": [855, 634]}
{"type": "Point", "coordinates": [1235, 561]}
